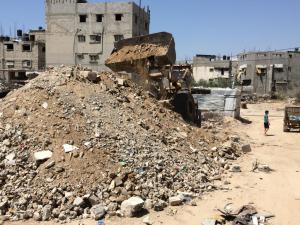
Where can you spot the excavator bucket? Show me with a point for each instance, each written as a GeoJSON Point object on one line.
{"type": "Point", "coordinates": [134, 54]}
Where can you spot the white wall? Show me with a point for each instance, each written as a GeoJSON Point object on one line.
{"type": "Point", "coordinates": [205, 73]}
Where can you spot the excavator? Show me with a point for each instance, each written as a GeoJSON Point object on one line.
{"type": "Point", "coordinates": [150, 59]}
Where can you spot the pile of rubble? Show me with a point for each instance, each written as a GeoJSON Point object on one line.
{"type": "Point", "coordinates": [77, 144]}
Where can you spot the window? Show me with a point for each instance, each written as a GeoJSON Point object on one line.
{"type": "Point", "coordinates": [222, 72]}
{"type": "Point", "coordinates": [291, 56]}
{"type": "Point", "coordinates": [146, 25]}
{"type": "Point", "coordinates": [82, 18]}
{"type": "Point", "coordinates": [10, 64]}
{"type": "Point", "coordinates": [99, 18]}
{"type": "Point", "coordinates": [246, 82]}
{"type": "Point", "coordinates": [80, 56]}
{"type": "Point", "coordinates": [135, 19]}
{"type": "Point", "coordinates": [119, 37]}
{"type": "Point", "coordinates": [94, 58]}
{"type": "Point", "coordinates": [81, 38]}
{"type": "Point", "coordinates": [290, 69]}
{"type": "Point", "coordinates": [44, 49]}
{"type": "Point", "coordinates": [32, 37]}
{"type": "Point", "coordinates": [119, 17]}
{"type": "Point", "coordinates": [95, 38]}
{"type": "Point", "coordinates": [21, 76]}
{"type": "Point", "coordinates": [278, 70]}
{"type": "Point", "coordinates": [26, 48]}
{"type": "Point", "coordinates": [26, 64]}
{"type": "Point", "coordinates": [211, 70]}
{"type": "Point", "coordinates": [9, 47]}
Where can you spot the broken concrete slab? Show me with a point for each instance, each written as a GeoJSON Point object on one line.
{"type": "Point", "coordinates": [42, 155]}
{"type": "Point", "coordinates": [175, 201]}
{"type": "Point", "coordinates": [132, 206]}
{"type": "Point", "coordinates": [246, 148]}
{"type": "Point", "coordinates": [98, 212]}
{"type": "Point", "coordinates": [78, 201]}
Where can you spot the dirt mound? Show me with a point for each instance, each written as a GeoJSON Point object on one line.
{"type": "Point", "coordinates": [122, 142]}
{"type": "Point", "coordinates": [130, 53]}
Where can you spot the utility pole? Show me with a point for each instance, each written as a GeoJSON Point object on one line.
{"type": "Point", "coordinates": [139, 22]}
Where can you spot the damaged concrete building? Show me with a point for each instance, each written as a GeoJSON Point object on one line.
{"type": "Point", "coordinates": [270, 72]}
{"type": "Point", "coordinates": [22, 55]}
{"type": "Point", "coordinates": [210, 67]}
{"type": "Point", "coordinates": [84, 33]}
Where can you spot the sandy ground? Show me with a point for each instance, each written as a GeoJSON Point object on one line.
{"type": "Point", "coordinates": [277, 192]}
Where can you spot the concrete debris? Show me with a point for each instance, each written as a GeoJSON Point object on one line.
{"type": "Point", "coordinates": [175, 201]}
{"type": "Point", "coordinates": [45, 105]}
{"type": "Point", "coordinates": [121, 144]}
{"type": "Point", "coordinates": [236, 169]}
{"type": "Point", "coordinates": [132, 206]}
{"type": "Point", "coordinates": [246, 215]}
{"type": "Point", "coordinates": [147, 220]}
{"type": "Point", "coordinates": [256, 166]}
{"type": "Point", "coordinates": [42, 155]}
{"type": "Point", "coordinates": [246, 148]}
{"type": "Point", "coordinates": [90, 76]}
{"type": "Point", "coordinates": [209, 222]}
{"type": "Point", "coordinates": [69, 148]}
{"type": "Point", "coordinates": [78, 201]}
{"type": "Point", "coordinates": [98, 212]}
{"type": "Point", "coordinates": [264, 168]}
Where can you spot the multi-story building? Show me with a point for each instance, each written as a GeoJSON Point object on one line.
{"type": "Point", "coordinates": [84, 33]}
{"type": "Point", "coordinates": [270, 72]}
{"type": "Point", "coordinates": [22, 55]}
{"type": "Point", "coordinates": [210, 67]}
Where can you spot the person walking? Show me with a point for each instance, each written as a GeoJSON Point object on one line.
{"type": "Point", "coordinates": [266, 122]}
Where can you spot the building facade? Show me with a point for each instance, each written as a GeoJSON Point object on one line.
{"type": "Point", "coordinates": [270, 72]}
{"type": "Point", "coordinates": [210, 67]}
{"type": "Point", "coordinates": [84, 33]}
{"type": "Point", "coordinates": [22, 55]}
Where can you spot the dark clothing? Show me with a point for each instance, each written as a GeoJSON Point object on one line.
{"type": "Point", "coordinates": [266, 125]}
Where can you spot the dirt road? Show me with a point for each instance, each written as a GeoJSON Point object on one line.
{"type": "Point", "coordinates": [277, 192]}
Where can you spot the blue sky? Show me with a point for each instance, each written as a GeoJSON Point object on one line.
{"type": "Point", "coordinates": [199, 26]}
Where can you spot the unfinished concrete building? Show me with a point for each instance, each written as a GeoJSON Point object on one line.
{"type": "Point", "coordinates": [22, 55]}
{"type": "Point", "coordinates": [270, 72]}
{"type": "Point", "coordinates": [84, 33]}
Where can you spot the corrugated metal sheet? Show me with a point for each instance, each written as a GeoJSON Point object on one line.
{"type": "Point", "coordinates": [222, 100]}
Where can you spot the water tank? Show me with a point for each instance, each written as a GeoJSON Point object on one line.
{"type": "Point", "coordinates": [19, 33]}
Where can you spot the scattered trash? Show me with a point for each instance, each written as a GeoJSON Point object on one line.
{"type": "Point", "coordinates": [246, 215]}
{"type": "Point", "coordinates": [256, 166]}
{"type": "Point", "coordinates": [101, 222]}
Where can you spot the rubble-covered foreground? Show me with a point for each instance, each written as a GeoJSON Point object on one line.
{"type": "Point", "coordinates": [74, 148]}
